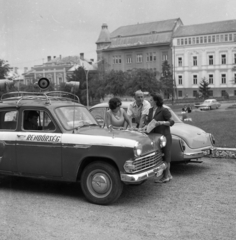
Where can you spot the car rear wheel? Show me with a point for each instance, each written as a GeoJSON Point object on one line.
{"type": "Point", "coordinates": [101, 183]}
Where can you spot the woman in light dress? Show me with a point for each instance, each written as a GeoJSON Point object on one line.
{"type": "Point", "coordinates": [116, 116]}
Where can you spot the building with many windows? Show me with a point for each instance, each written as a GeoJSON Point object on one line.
{"type": "Point", "coordinates": [205, 51]}
{"type": "Point", "coordinates": [144, 45]}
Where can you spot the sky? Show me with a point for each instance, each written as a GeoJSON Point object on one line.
{"type": "Point", "coordinates": [31, 30]}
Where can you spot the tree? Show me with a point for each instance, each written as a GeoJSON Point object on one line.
{"type": "Point", "coordinates": [4, 69]}
{"type": "Point", "coordinates": [79, 75]}
{"type": "Point", "coordinates": [141, 79]}
{"type": "Point", "coordinates": [204, 88]}
{"type": "Point", "coordinates": [166, 80]}
{"type": "Point", "coordinates": [114, 82]}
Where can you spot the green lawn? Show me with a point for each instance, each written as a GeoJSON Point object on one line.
{"type": "Point", "coordinates": [220, 123]}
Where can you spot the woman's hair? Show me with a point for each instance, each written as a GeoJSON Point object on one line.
{"type": "Point", "coordinates": [114, 103]}
{"type": "Point", "coordinates": [157, 98]}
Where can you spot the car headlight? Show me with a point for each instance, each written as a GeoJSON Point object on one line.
{"type": "Point", "coordinates": [162, 141]}
{"type": "Point", "coordinates": [129, 167]}
{"type": "Point", "coordinates": [138, 150]}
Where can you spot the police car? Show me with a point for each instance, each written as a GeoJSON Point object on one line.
{"type": "Point", "coordinates": [50, 135]}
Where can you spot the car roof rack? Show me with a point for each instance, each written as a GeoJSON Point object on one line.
{"type": "Point", "coordinates": [44, 96]}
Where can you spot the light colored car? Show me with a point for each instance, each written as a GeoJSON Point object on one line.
{"type": "Point", "coordinates": [208, 104]}
{"type": "Point", "coordinates": [197, 143]}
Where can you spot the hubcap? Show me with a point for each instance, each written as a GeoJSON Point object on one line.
{"type": "Point", "coordinates": [99, 183]}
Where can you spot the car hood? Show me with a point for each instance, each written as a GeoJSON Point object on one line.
{"type": "Point", "coordinates": [193, 136]}
{"type": "Point", "coordinates": [103, 136]}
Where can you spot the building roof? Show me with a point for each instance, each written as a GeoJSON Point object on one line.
{"type": "Point", "coordinates": [145, 28]}
{"type": "Point", "coordinates": [104, 35]}
{"type": "Point", "coordinates": [161, 38]}
{"type": "Point", "coordinates": [85, 64]}
{"type": "Point", "coordinates": [206, 28]}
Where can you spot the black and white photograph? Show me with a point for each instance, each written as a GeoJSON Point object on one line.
{"type": "Point", "coordinates": [117, 119]}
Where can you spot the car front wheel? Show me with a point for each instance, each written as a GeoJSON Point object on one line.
{"type": "Point", "coordinates": [101, 183]}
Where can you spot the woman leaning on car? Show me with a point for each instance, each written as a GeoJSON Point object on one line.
{"type": "Point", "coordinates": [163, 122]}
{"type": "Point", "coordinates": [116, 116]}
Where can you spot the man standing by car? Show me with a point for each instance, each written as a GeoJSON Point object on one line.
{"type": "Point", "coordinates": [138, 110]}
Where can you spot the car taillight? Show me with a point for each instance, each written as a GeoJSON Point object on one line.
{"type": "Point", "coordinates": [182, 145]}
{"type": "Point", "coordinates": [213, 141]}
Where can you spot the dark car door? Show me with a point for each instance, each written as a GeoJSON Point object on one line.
{"type": "Point", "coordinates": [39, 150]}
{"type": "Point", "coordinates": [8, 125]}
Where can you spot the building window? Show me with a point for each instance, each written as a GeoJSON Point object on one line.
{"type": "Point", "coordinates": [209, 39]}
{"type": "Point", "coordinates": [205, 39]}
{"type": "Point", "coordinates": [195, 93]}
{"type": "Point", "coordinates": [129, 59]}
{"type": "Point", "coordinates": [226, 37]}
{"type": "Point", "coordinates": [235, 58]}
{"type": "Point", "coordinates": [117, 59]}
{"type": "Point", "coordinates": [222, 38]}
{"type": "Point", "coordinates": [59, 80]}
{"type": "Point", "coordinates": [193, 40]}
{"type": "Point", "coordinates": [210, 59]}
{"type": "Point", "coordinates": [194, 61]}
{"type": "Point", "coordinates": [223, 92]}
{"type": "Point", "coordinates": [210, 78]}
{"type": "Point", "coordinates": [235, 37]}
{"type": "Point", "coordinates": [139, 58]}
{"type": "Point", "coordinates": [154, 56]}
{"type": "Point", "coordinates": [223, 78]}
{"type": "Point", "coordinates": [180, 62]}
{"type": "Point", "coordinates": [164, 57]}
{"type": "Point", "coordinates": [182, 41]}
{"type": "Point", "coordinates": [234, 79]}
{"type": "Point", "coordinates": [180, 78]}
{"type": "Point", "coordinates": [151, 57]}
{"type": "Point", "coordinates": [197, 40]}
{"type": "Point", "coordinates": [178, 42]}
{"type": "Point", "coordinates": [180, 94]}
{"type": "Point", "coordinates": [223, 59]}
{"type": "Point", "coordinates": [210, 93]}
{"type": "Point", "coordinates": [201, 39]}
{"type": "Point", "coordinates": [186, 41]}
{"type": "Point", "coordinates": [213, 38]}
{"type": "Point", "coordinates": [195, 79]}
{"type": "Point", "coordinates": [189, 41]}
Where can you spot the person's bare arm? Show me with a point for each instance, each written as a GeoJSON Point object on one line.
{"type": "Point", "coordinates": [127, 121]}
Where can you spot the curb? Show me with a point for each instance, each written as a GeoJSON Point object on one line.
{"type": "Point", "coordinates": [224, 153]}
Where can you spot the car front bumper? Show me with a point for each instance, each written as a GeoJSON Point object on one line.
{"type": "Point", "coordinates": [138, 177]}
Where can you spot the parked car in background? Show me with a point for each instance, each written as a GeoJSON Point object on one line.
{"type": "Point", "coordinates": [208, 104]}
{"type": "Point", "coordinates": [197, 143]}
{"type": "Point", "coordinates": [52, 136]}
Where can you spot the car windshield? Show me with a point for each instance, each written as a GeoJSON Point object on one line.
{"type": "Point", "coordinates": [207, 101]}
{"type": "Point", "coordinates": [75, 117]}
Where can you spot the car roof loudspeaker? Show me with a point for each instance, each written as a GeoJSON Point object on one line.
{"type": "Point", "coordinates": [43, 83]}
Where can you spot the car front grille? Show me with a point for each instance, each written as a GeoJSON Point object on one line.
{"type": "Point", "coordinates": [147, 161]}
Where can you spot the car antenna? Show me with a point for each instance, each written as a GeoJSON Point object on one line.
{"type": "Point", "coordinates": [73, 112]}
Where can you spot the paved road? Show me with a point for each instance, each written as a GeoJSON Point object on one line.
{"type": "Point", "coordinates": [198, 204]}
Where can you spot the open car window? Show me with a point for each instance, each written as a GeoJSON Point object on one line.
{"type": "Point", "coordinates": [37, 120]}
